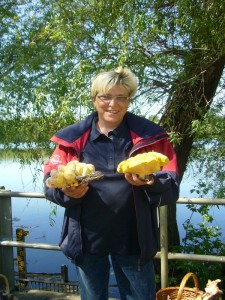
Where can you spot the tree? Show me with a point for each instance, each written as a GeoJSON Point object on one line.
{"type": "Point", "coordinates": [52, 49]}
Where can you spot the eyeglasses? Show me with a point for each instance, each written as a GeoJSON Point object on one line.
{"type": "Point", "coordinates": [119, 99]}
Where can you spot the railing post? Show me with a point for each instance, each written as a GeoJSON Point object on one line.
{"type": "Point", "coordinates": [164, 246]}
{"type": "Point", "coordinates": [6, 253]}
{"type": "Point", "coordinates": [21, 253]}
{"type": "Point", "coordinates": [64, 273]}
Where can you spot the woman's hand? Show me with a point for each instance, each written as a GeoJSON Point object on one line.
{"type": "Point", "coordinates": [135, 180]}
{"type": "Point", "coordinates": [76, 191]}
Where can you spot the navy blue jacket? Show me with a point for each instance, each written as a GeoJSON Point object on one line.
{"type": "Point", "coordinates": [146, 136]}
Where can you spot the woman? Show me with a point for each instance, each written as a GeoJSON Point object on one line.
{"type": "Point", "coordinates": [115, 216]}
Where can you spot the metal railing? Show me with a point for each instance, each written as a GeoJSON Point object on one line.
{"type": "Point", "coordinates": [7, 243]}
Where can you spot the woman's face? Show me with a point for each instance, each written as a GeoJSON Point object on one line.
{"type": "Point", "coordinates": [111, 107]}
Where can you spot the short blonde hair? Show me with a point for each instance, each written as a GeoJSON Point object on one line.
{"type": "Point", "coordinates": [105, 80]}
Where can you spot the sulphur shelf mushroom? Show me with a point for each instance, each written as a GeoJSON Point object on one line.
{"type": "Point", "coordinates": [143, 164]}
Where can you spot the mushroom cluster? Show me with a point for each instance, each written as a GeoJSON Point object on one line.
{"type": "Point", "coordinates": [65, 176]}
{"type": "Point", "coordinates": [143, 164]}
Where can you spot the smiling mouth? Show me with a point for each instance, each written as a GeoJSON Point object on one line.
{"type": "Point", "coordinates": [112, 112]}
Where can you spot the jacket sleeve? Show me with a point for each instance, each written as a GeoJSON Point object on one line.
{"type": "Point", "coordinates": [61, 156]}
{"type": "Point", "coordinates": [166, 187]}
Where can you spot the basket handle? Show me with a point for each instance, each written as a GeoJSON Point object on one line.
{"type": "Point", "coordinates": [184, 281]}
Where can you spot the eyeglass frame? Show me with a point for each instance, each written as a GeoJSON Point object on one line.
{"type": "Point", "coordinates": [107, 99]}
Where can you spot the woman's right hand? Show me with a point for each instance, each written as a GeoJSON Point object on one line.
{"type": "Point", "coordinates": [76, 191]}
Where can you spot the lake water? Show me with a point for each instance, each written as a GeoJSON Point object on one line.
{"type": "Point", "coordinates": [34, 215]}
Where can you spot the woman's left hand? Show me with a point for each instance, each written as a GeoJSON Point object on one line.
{"type": "Point", "coordinates": [135, 180]}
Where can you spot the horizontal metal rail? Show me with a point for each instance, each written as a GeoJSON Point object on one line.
{"type": "Point", "coordinates": [163, 255]}
{"type": "Point", "coordinates": [194, 257]}
{"type": "Point", "coordinates": [29, 245]}
{"type": "Point", "coordinates": [5, 193]}
{"type": "Point", "coordinates": [184, 200]}
{"type": "Point", "coordinates": [201, 201]}
{"type": "Point", "coordinates": [171, 256]}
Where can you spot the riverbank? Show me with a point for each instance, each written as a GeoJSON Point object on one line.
{"type": "Point", "coordinates": [42, 295]}
{"type": "Point", "coordinates": [45, 295]}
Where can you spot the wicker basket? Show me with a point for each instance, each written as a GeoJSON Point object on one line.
{"type": "Point", "coordinates": [180, 292]}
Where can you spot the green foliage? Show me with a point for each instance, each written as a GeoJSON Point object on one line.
{"type": "Point", "coordinates": [52, 214]}
{"type": "Point", "coordinates": [208, 155]}
{"type": "Point", "coordinates": [205, 239]}
{"type": "Point", "coordinates": [52, 50]}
